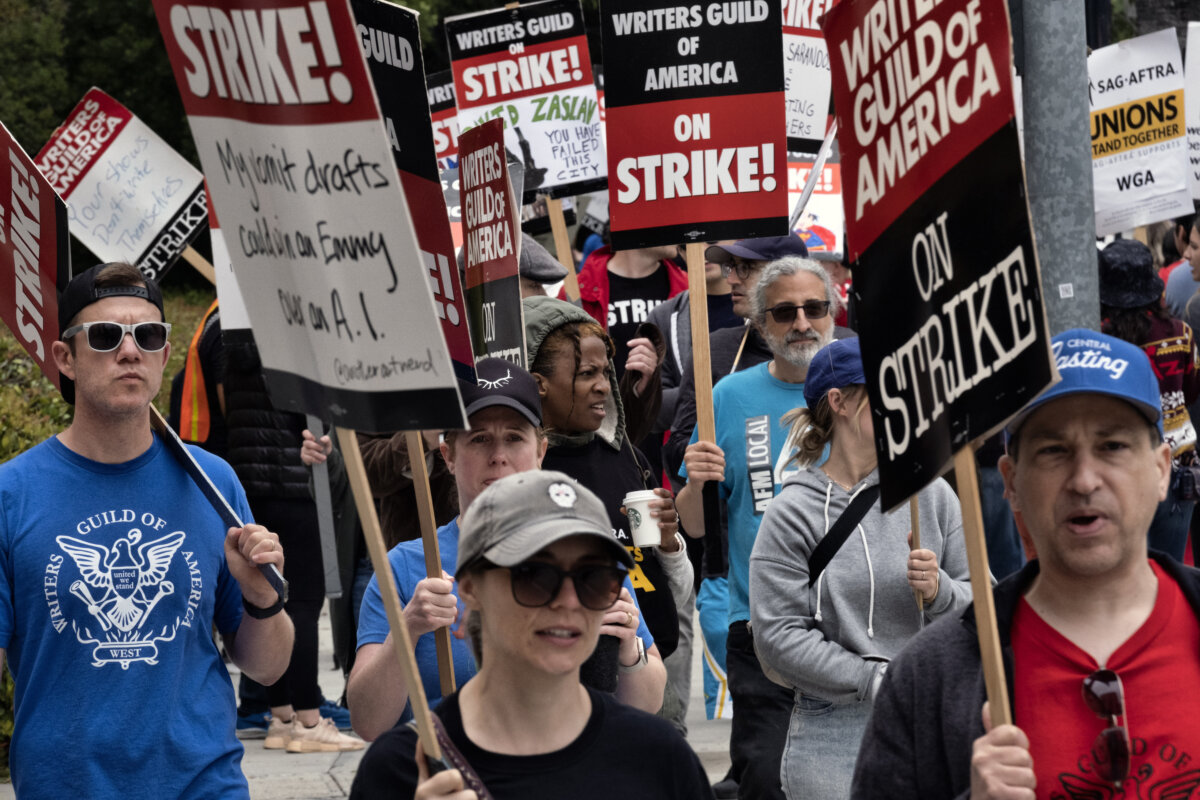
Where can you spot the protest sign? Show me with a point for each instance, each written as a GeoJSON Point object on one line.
{"type": "Point", "coordinates": [823, 220]}
{"type": "Point", "coordinates": [953, 331]}
{"type": "Point", "coordinates": [529, 65]}
{"type": "Point", "coordinates": [1191, 105]}
{"type": "Point", "coordinates": [34, 254]}
{"type": "Point", "coordinates": [695, 121]}
{"type": "Point", "coordinates": [301, 175]}
{"type": "Point", "coordinates": [806, 74]}
{"type": "Point", "coordinates": [489, 217]}
{"type": "Point", "coordinates": [130, 197]}
{"type": "Point", "coordinates": [391, 43]}
{"type": "Point", "coordinates": [1140, 167]}
{"type": "Point", "coordinates": [444, 115]}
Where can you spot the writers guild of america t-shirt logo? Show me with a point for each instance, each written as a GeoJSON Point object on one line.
{"type": "Point", "coordinates": [119, 588]}
{"type": "Point", "coordinates": [562, 494]}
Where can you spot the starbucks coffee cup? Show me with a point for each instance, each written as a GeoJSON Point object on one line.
{"type": "Point", "coordinates": [642, 527]}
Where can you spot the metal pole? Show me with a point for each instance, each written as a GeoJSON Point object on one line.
{"type": "Point", "coordinates": [1058, 164]}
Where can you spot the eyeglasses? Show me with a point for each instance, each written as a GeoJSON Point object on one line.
{"type": "Point", "coordinates": [536, 584]}
{"type": "Point", "coordinates": [743, 269]}
{"type": "Point", "coordinates": [1103, 693]}
{"type": "Point", "coordinates": [785, 313]}
{"type": "Point", "coordinates": [104, 337]}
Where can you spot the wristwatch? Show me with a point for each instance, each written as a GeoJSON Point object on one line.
{"type": "Point", "coordinates": [641, 659]}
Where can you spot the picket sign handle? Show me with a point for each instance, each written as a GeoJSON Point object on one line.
{"type": "Point", "coordinates": [981, 587]}
{"type": "Point", "coordinates": [200, 263]}
{"type": "Point", "coordinates": [915, 517]}
{"type": "Point", "coordinates": [401, 642]}
{"type": "Point", "coordinates": [562, 244]}
{"type": "Point", "coordinates": [433, 555]}
{"type": "Point", "coordinates": [701, 362]}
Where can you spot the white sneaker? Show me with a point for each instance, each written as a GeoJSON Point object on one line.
{"type": "Point", "coordinates": [324, 737]}
{"type": "Point", "coordinates": [279, 733]}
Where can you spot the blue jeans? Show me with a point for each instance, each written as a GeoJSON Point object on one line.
{"type": "Point", "coordinates": [1169, 528]}
{"type": "Point", "coordinates": [822, 746]}
{"type": "Point", "coordinates": [1006, 555]}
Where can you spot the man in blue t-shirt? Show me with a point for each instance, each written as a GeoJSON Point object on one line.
{"type": "Point", "coordinates": [504, 411]}
{"type": "Point", "coordinates": [115, 569]}
{"type": "Point", "coordinates": [793, 305]}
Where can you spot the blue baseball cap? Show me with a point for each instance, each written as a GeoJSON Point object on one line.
{"type": "Point", "coordinates": [836, 365]}
{"type": "Point", "coordinates": [1096, 363]}
{"type": "Point", "coordinates": [766, 248]}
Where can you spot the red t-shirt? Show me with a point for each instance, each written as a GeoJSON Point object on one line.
{"type": "Point", "coordinates": [1159, 666]}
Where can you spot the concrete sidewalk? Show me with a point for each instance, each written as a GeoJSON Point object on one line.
{"type": "Point", "coordinates": [278, 775]}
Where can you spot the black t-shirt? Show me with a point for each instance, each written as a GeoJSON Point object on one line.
{"type": "Point", "coordinates": [622, 753]}
{"type": "Point", "coordinates": [720, 312]}
{"type": "Point", "coordinates": [612, 475]}
{"type": "Point", "coordinates": [630, 301]}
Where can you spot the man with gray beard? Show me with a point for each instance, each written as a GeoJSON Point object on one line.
{"type": "Point", "coordinates": [793, 305]}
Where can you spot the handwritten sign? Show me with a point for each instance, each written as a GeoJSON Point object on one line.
{"type": "Point", "coordinates": [130, 197]}
{"type": "Point", "coordinates": [953, 330]}
{"type": "Point", "coordinates": [34, 258]}
{"type": "Point", "coordinates": [695, 121]}
{"type": "Point", "coordinates": [391, 43]}
{"type": "Point", "coordinates": [806, 74]}
{"type": "Point", "coordinates": [530, 66]}
{"type": "Point", "coordinates": [492, 248]}
{"type": "Point", "coordinates": [1140, 167]}
{"type": "Point", "coordinates": [303, 181]}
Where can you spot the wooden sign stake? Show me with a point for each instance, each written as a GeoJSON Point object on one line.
{"type": "Point", "coordinates": [562, 244]}
{"type": "Point", "coordinates": [200, 263]}
{"type": "Point", "coordinates": [915, 517]}
{"type": "Point", "coordinates": [701, 362]}
{"type": "Point", "coordinates": [433, 556]}
{"type": "Point", "coordinates": [387, 588]}
{"type": "Point", "coordinates": [981, 587]}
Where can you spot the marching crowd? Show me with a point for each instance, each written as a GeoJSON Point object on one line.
{"type": "Point", "coordinates": [846, 652]}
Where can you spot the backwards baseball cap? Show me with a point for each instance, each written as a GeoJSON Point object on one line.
{"type": "Point", "coordinates": [767, 248]}
{"type": "Point", "coordinates": [1096, 363]}
{"type": "Point", "coordinates": [502, 383]}
{"type": "Point", "coordinates": [517, 516]}
{"type": "Point", "coordinates": [82, 291]}
{"type": "Point", "coordinates": [836, 365]}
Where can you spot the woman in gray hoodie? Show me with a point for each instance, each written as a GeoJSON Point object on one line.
{"type": "Point", "coordinates": [831, 639]}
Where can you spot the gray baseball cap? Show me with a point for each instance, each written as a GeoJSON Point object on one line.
{"type": "Point", "coordinates": [519, 515]}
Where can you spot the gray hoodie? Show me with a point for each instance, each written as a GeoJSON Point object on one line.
{"type": "Point", "coordinates": [830, 640]}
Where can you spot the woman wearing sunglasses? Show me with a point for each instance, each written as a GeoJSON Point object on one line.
{"type": "Point", "coordinates": [830, 636]}
{"type": "Point", "coordinates": [538, 568]}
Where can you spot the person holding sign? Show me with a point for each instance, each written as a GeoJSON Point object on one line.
{"type": "Point", "coordinates": [793, 305]}
{"type": "Point", "coordinates": [540, 572]}
{"type": "Point", "coordinates": [1095, 627]}
{"type": "Point", "coordinates": [832, 577]}
{"type": "Point", "coordinates": [115, 571]}
{"type": "Point", "coordinates": [505, 415]}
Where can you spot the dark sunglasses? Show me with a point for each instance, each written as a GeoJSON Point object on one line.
{"type": "Point", "coordinates": [536, 584]}
{"type": "Point", "coordinates": [104, 337]}
{"type": "Point", "coordinates": [785, 313]}
{"type": "Point", "coordinates": [1103, 693]}
{"type": "Point", "coordinates": [743, 269]}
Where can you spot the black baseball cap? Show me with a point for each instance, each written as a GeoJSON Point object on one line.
{"type": "Point", "coordinates": [766, 248]}
{"type": "Point", "coordinates": [82, 291]}
{"type": "Point", "coordinates": [502, 383]}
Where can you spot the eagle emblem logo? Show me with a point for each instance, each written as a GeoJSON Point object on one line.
{"type": "Point", "coordinates": [120, 587]}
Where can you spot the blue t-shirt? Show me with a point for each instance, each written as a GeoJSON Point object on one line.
{"type": "Point", "coordinates": [747, 408]}
{"type": "Point", "coordinates": [408, 568]}
{"type": "Point", "coordinates": [111, 578]}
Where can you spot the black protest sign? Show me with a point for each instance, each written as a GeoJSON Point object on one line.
{"type": "Point", "coordinates": [529, 65]}
{"type": "Point", "coordinates": [391, 42]}
{"type": "Point", "coordinates": [440, 87]}
{"type": "Point", "coordinates": [490, 249]}
{"type": "Point", "coordinates": [34, 254]}
{"type": "Point", "coordinates": [694, 121]}
{"type": "Point", "coordinates": [946, 280]}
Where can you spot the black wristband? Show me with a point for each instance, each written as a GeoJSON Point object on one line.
{"type": "Point", "coordinates": [262, 613]}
